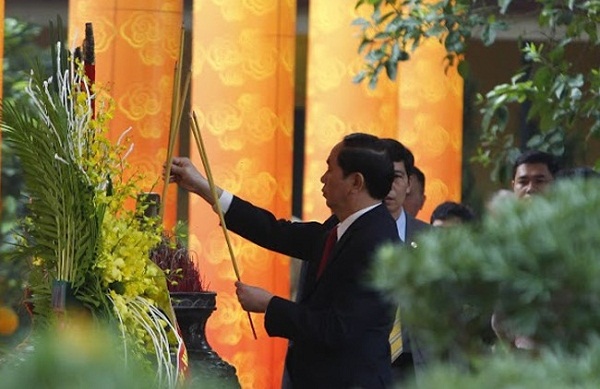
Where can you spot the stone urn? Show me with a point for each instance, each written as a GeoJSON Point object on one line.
{"type": "Point", "coordinates": [205, 366]}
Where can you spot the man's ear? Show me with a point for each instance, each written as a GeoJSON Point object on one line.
{"type": "Point", "coordinates": [358, 182]}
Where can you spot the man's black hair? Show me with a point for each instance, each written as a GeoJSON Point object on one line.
{"type": "Point", "coordinates": [537, 156]}
{"type": "Point", "coordinates": [365, 154]}
{"type": "Point", "coordinates": [420, 176]}
{"type": "Point", "coordinates": [450, 209]}
{"type": "Point", "coordinates": [400, 153]}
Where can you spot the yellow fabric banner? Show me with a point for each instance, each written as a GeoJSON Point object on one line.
{"type": "Point", "coordinates": [422, 109]}
{"type": "Point", "coordinates": [335, 106]}
{"type": "Point", "coordinates": [137, 45]}
{"type": "Point", "coordinates": [430, 122]}
{"type": "Point", "coordinates": [243, 56]}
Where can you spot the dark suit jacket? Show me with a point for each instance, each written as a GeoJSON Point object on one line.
{"type": "Point", "coordinates": [413, 356]}
{"type": "Point", "coordinates": [340, 326]}
{"type": "Point", "coordinates": [414, 227]}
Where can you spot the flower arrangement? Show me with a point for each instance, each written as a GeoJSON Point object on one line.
{"type": "Point", "coordinates": [84, 245]}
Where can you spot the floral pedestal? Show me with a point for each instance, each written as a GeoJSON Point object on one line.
{"type": "Point", "coordinates": [205, 365]}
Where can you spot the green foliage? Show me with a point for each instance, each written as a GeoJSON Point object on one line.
{"type": "Point", "coordinates": [550, 370]}
{"type": "Point", "coordinates": [20, 44]}
{"type": "Point", "coordinates": [80, 240]}
{"type": "Point", "coordinates": [565, 100]}
{"type": "Point", "coordinates": [78, 356]}
{"type": "Point", "coordinates": [84, 354]}
{"type": "Point", "coordinates": [64, 225]}
{"type": "Point", "coordinates": [535, 262]}
{"type": "Point", "coordinates": [397, 27]}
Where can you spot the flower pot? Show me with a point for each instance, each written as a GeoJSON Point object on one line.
{"type": "Point", "coordinates": [192, 311]}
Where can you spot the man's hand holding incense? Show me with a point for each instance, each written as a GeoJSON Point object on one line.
{"type": "Point", "coordinates": [252, 298]}
{"type": "Point", "coordinates": [185, 174]}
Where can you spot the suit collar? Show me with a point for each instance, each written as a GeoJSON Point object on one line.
{"type": "Point", "coordinates": [357, 225]}
{"type": "Point", "coordinates": [343, 226]}
{"type": "Point", "coordinates": [311, 280]}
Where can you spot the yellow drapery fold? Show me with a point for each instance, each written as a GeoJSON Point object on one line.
{"type": "Point", "coordinates": [422, 109]}
{"type": "Point", "coordinates": [243, 56]}
{"type": "Point", "coordinates": [430, 106]}
{"type": "Point", "coordinates": [137, 44]}
{"type": "Point", "coordinates": [335, 106]}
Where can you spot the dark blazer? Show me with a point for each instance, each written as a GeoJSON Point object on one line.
{"type": "Point", "coordinates": [413, 355]}
{"type": "Point", "coordinates": [340, 326]}
{"type": "Point", "coordinates": [414, 227]}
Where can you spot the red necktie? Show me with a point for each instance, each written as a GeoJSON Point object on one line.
{"type": "Point", "coordinates": [331, 240]}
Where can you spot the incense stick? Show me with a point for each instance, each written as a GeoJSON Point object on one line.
{"type": "Point", "coordinates": [177, 103]}
{"type": "Point", "coordinates": [213, 189]}
{"type": "Point", "coordinates": [186, 89]}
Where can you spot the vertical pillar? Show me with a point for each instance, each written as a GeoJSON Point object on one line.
{"type": "Point", "coordinates": [335, 106]}
{"type": "Point", "coordinates": [137, 44]}
{"type": "Point", "coordinates": [243, 56]}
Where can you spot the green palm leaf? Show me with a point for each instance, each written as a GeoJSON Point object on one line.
{"type": "Point", "coordinates": [65, 224]}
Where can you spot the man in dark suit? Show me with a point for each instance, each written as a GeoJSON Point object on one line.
{"type": "Point", "coordinates": [339, 328]}
{"type": "Point", "coordinates": [411, 355]}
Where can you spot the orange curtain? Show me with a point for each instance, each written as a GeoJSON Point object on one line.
{"type": "Point", "coordinates": [423, 109]}
{"type": "Point", "coordinates": [335, 106]}
{"type": "Point", "coordinates": [243, 56]}
{"type": "Point", "coordinates": [137, 44]}
{"type": "Point", "coordinates": [430, 104]}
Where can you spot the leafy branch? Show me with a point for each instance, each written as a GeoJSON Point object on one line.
{"type": "Point", "coordinates": [396, 28]}
{"type": "Point", "coordinates": [564, 100]}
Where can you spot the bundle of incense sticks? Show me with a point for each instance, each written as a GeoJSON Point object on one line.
{"type": "Point", "coordinates": [213, 189]}
{"type": "Point", "coordinates": [177, 105]}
